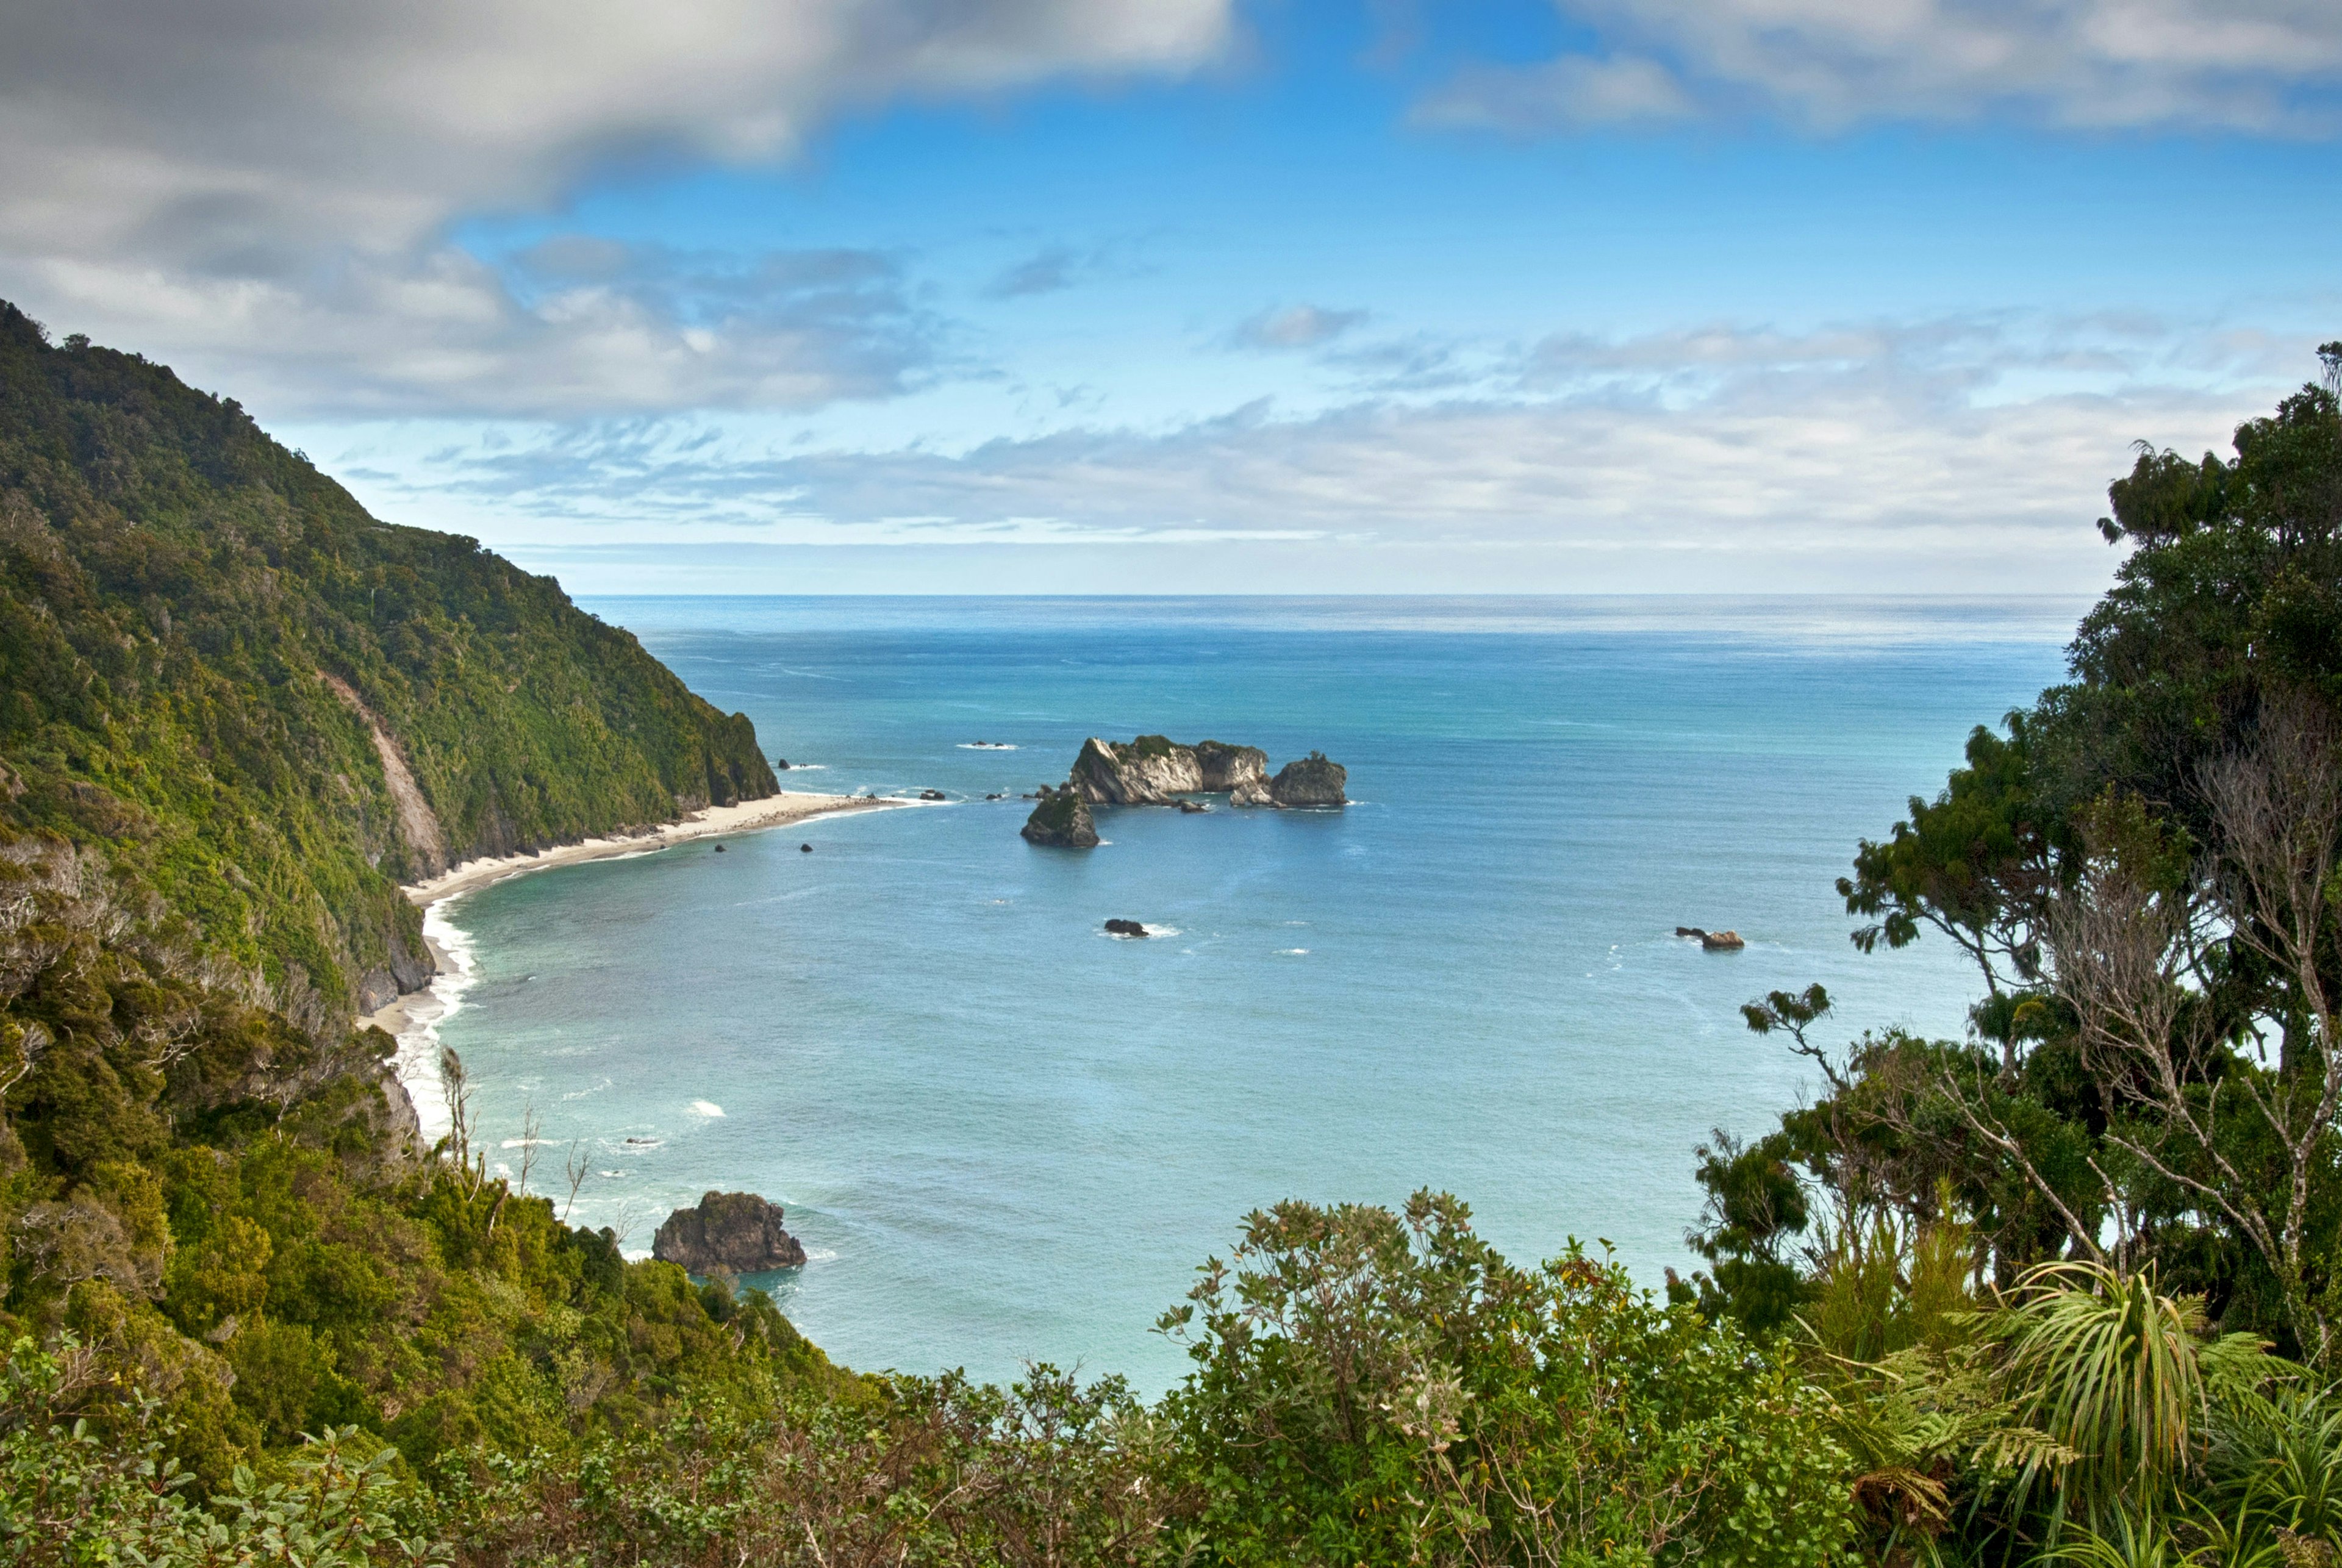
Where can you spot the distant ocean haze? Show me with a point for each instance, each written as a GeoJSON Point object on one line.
{"type": "Point", "coordinates": [1004, 1135]}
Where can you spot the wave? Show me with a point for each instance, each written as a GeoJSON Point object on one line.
{"type": "Point", "coordinates": [417, 1061]}
{"type": "Point", "coordinates": [707, 1108]}
{"type": "Point", "coordinates": [1293, 952]}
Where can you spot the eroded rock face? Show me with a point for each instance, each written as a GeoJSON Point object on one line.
{"type": "Point", "coordinates": [1310, 781]}
{"type": "Point", "coordinates": [737, 1233]}
{"type": "Point", "coordinates": [1231, 768]}
{"type": "Point", "coordinates": [1062, 820]}
{"type": "Point", "coordinates": [1149, 771]}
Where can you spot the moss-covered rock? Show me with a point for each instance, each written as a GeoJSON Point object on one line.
{"type": "Point", "coordinates": [1062, 820]}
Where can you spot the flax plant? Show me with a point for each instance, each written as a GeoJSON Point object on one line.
{"type": "Point", "coordinates": [2119, 1374]}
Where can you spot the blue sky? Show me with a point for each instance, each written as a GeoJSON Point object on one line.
{"type": "Point", "coordinates": [1037, 295]}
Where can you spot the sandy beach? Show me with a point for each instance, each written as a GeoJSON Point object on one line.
{"type": "Point", "coordinates": [410, 1015]}
{"type": "Point", "coordinates": [772, 811]}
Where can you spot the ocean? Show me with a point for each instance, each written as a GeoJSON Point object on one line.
{"type": "Point", "coordinates": [1004, 1136]}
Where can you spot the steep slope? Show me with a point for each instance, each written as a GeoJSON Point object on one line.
{"type": "Point", "coordinates": [269, 709]}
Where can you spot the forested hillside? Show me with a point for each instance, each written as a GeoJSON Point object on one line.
{"type": "Point", "coordinates": [199, 633]}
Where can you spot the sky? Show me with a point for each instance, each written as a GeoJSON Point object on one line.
{"type": "Point", "coordinates": [1205, 296]}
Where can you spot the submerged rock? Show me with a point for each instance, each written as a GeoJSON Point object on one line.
{"type": "Point", "coordinates": [933, 795]}
{"type": "Point", "coordinates": [738, 1232]}
{"type": "Point", "coordinates": [1125, 928]}
{"type": "Point", "coordinates": [1312, 781]}
{"type": "Point", "coordinates": [1192, 807]}
{"type": "Point", "coordinates": [1062, 820]}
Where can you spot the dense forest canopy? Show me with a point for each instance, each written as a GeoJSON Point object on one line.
{"type": "Point", "coordinates": [2065, 1289]}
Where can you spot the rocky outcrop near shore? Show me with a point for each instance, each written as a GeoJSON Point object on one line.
{"type": "Point", "coordinates": [735, 1233]}
{"type": "Point", "coordinates": [1312, 781]}
{"type": "Point", "coordinates": [1062, 820]}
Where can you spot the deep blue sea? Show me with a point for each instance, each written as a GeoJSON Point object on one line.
{"type": "Point", "coordinates": [1006, 1136]}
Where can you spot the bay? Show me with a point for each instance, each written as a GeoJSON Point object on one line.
{"type": "Point", "coordinates": [1004, 1136]}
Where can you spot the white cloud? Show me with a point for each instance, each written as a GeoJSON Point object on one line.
{"type": "Point", "coordinates": [268, 183]}
{"type": "Point", "coordinates": [1299, 327]}
{"type": "Point", "coordinates": [2257, 65]}
{"type": "Point", "coordinates": [1868, 456]}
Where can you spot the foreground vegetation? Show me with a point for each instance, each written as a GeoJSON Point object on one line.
{"type": "Point", "coordinates": [2063, 1291]}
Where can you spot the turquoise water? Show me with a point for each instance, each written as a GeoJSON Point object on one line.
{"type": "Point", "coordinates": [1004, 1135]}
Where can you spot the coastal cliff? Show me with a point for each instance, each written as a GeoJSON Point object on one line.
{"type": "Point", "coordinates": [269, 710]}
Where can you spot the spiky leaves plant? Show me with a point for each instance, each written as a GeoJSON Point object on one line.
{"type": "Point", "coordinates": [2116, 1371]}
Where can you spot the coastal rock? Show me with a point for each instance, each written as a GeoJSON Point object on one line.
{"type": "Point", "coordinates": [1062, 820]}
{"type": "Point", "coordinates": [738, 1232]}
{"type": "Point", "coordinates": [1252, 792]}
{"type": "Point", "coordinates": [1125, 928]}
{"type": "Point", "coordinates": [1312, 781]}
{"type": "Point", "coordinates": [1149, 771]}
{"type": "Point", "coordinates": [1231, 768]}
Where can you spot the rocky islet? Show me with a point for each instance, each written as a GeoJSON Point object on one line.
{"type": "Point", "coordinates": [1155, 770]}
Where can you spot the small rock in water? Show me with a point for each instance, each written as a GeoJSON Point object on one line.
{"type": "Point", "coordinates": [738, 1232]}
{"type": "Point", "coordinates": [933, 795]}
{"type": "Point", "coordinates": [1689, 931]}
{"type": "Point", "coordinates": [1721, 940]}
{"type": "Point", "coordinates": [780, 765]}
{"type": "Point", "coordinates": [1193, 806]}
{"type": "Point", "coordinates": [805, 849]}
{"type": "Point", "coordinates": [1125, 928]}
{"type": "Point", "coordinates": [719, 849]}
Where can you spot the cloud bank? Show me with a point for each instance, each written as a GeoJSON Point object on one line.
{"type": "Point", "coordinates": [2253, 66]}
{"type": "Point", "coordinates": [266, 185]}
{"type": "Point", "coordinates": [1853, 457]}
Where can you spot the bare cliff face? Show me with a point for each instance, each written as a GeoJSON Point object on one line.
{"type": "Point", "coordinates": [1232, 768]}
{"type": "Point", "coordinates": [1155, 771]}
{"type": "Point", "coordinates": [1148, 770]}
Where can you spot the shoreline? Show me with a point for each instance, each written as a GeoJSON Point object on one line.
{"type": "Point", "coordinates": [748, 816]}
{"type": "Point", "coordinates": [412, 1019]}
